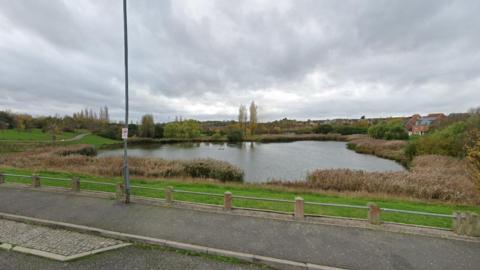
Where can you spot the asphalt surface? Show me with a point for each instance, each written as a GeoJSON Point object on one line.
{"type": "Point", "coordinates": [130, 258]}
{"type": "Point", "coordinates": [344, 247]}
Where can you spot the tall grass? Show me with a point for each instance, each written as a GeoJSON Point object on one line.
{"type": "Point", "coordinates": [431, 177]}
{"type": "Point", "coordinates": [389, 149]}
{"type": "Point", "coordinates": [79, 159]}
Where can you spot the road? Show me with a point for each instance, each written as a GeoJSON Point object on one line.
{"type": "Point", "coordinates": [344, 247]}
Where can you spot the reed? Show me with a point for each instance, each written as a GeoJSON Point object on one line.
{"type": "Point", "coordinates": [80, 159]}
{"type": "Point", "coordinates": [430, 177]}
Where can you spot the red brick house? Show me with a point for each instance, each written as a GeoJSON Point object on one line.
{"type": "Point", "coordinates": [419, 125]}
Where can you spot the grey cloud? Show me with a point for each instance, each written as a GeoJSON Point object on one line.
{"type": "Point", "coordinates": [303, 59]}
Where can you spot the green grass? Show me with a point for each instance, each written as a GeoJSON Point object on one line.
{"type": "Point", "coordinates": [32, 135]}
{"type": "Point", "coordinates": [93, 140]}
{"type": "Point", "coordinates": [258, 191]}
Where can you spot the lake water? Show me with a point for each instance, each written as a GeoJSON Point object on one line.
{"type": "Point", "coordinates": [266, 161]}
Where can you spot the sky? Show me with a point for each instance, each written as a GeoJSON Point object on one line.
{"type": "Point", "coordinates": [202, 59]}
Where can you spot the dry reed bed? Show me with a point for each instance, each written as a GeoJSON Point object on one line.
{"type": "Point", "coordinates": [390, 149]}
{"type": "Point", "coordinates": [80, 159]}
{"type": "Point", "coordinates": [431, 177]}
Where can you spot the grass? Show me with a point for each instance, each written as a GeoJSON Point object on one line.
{"type": "Point", "coordinates": [95, 140]}
{"type": "Point", "coordinates": [27, 142]}
{"type": "Point", "coordinates": [32, 135]}
{"type": "Point", "coordinates": [262, 191]}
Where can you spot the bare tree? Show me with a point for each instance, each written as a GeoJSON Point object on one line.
{"type": "Point", "coordinates": [253, 117]}
{"type": "Point", "coordinates": [242, 117]}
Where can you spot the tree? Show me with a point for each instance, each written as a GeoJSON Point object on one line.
{"type": "Point", "coordinates": [7, 119]}
{"type": "Point", "coordinates": [186, 129]}
{"type": "Point", "coordinates": [159, 130]}
{"type": "Point", "coordinates": [253, 117]}
{"type": "Point", "coordinates": [104, 116]}
{"type": "Point", "coordinates": [23, 122]}
{"type": "Point", "coordinates": [242, 117]}
{"type": "Point", "coordinates": [53, 127]}
{"type": "Point", "coordinates": [147, 128]}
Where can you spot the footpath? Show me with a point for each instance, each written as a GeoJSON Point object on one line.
{"type": "Point", "coordinates": [334, 246]}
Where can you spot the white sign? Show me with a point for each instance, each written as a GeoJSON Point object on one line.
{"type": "Point", "coordinates": [124, 133]}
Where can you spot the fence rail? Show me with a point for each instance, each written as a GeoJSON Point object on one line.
{"type": "Point", "coordinates": [373, 215]}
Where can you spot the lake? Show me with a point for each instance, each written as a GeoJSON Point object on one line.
{"type": "Point", "coordinates": [262, 162]}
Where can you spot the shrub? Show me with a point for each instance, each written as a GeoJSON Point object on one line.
{"type": "Point", "coordinates": [350, 130]}
{"type": "Point", "coordinates": [84, 150]}
{"type": "Point", "coordinates": [209, 168]}
{"type": "Point", "coordinates": [234, 134]}
{"type": "Point", "coordinates": [392, 130]}
{"type": "Point", "coordinates": [323, 129]}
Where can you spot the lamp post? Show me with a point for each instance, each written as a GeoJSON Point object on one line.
{"type": "Point", "coordinates": [125, 131]}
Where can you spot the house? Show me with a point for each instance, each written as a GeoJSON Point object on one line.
{"type": "Point", "coordinates": [419, 125]}
{"type": "Point", "coordinates": [411, 122]}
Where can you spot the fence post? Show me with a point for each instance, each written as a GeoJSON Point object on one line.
{"type": "Point", "coordinates": [299, 208]}
{"type": "Point", "coordinates": [2, 178]}
{"type": "Point", "coordinates": [169, 194]}
{"type": "Point", "coordinates": [120, 192]}
{"type": "Point", "coordinates": [75, 184]}
{"type": "Point", "coordinates": [227, 200]}
{"type": "Point", "coordinates": [35, 181]}
{"type": "Point", "coordinates": [374, 213]}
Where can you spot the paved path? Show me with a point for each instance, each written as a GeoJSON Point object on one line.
{"type": "Point", "coordinates": [351, 248]}
{"type": "Point", "coordinates": [76, 138]}
{"type": "Point", "coordinates": [128, 258]}
{"type": "Point", "coordinates": [56, 241]}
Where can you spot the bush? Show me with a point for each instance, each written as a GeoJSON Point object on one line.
{"type": "Point", "coordinates": [234, 134]}
{"type": "Point", "coordinates": [217, 136]}
{"type": "Point", "coordinates": [209, 168]}
{"type": "Point", "coordinates": [392, 130]}
{"type": "Point", "coordinates": [323, 129]}
{"type": "Point", "coordinates": [84, 150]}
{"type": "Point", "coordinates": [350, 130]}
{"type": "Point", "coordinates": [111, 131]}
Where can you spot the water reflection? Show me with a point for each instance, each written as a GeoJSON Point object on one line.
{"type": "Point", "coordinates": [266, 161]}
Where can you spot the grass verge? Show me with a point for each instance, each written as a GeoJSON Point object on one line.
{"type": "Point", "coordinates": [32, 135]}
{"type": "Point", "coordinates": [261, 191]}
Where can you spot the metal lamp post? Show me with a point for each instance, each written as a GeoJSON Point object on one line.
{"type": "Point", "coordinates": [125, 131]}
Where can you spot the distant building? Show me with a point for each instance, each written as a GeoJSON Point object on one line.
{"type": "Point", "coordinates": [419, 125]}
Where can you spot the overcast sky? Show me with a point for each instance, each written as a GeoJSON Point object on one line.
{"type": "Point", "coordinates": [202, 59]}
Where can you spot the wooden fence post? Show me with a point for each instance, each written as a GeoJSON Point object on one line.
{"type": "Point", "coordinates": [227, 201]}
{"type": "Point", "coordinates": [35, 181]}
{"type": "Point", "coordinates": [169, 194]}
{"type": "Point", "coordinates": [299, 208]}
{"type": "Point", "coordinates": [374, 213]}
{"type": "Point", "coordinates": [75, 184]}
{"type": "Point", "coordinates": [120, 192]}
{"type": "Point", "coordinates": [2, 178]}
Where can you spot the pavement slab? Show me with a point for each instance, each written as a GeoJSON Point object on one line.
{"type": "Point", "coordinates": [55, 244]}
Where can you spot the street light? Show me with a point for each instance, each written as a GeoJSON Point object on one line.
{"type": "Point", "coordinates": [125, 130]}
